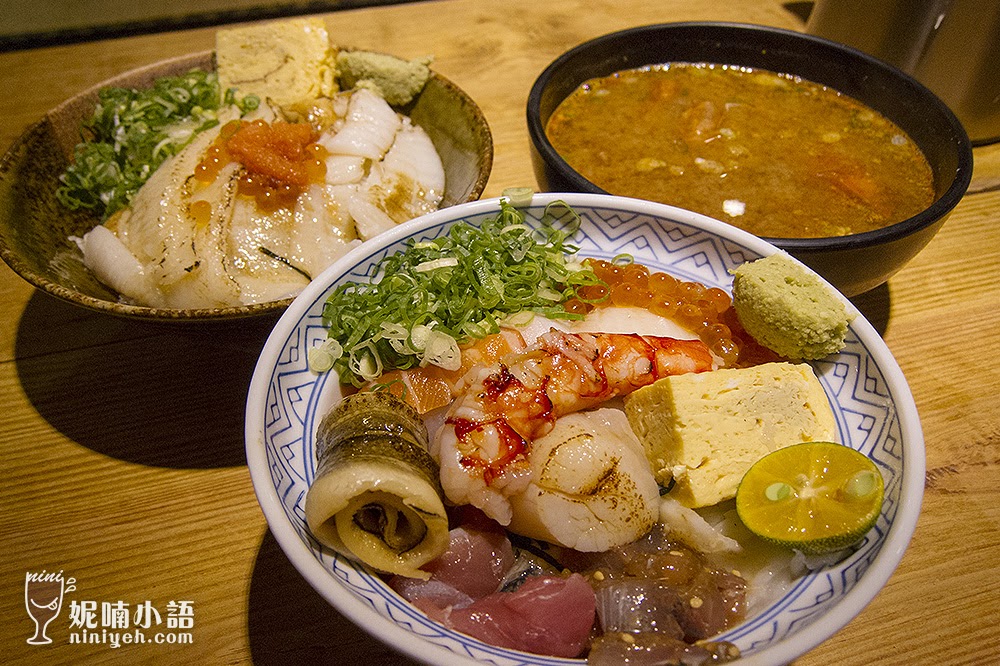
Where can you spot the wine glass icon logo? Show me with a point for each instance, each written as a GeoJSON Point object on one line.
{"type": "Point", "coordinates": [43, 595]}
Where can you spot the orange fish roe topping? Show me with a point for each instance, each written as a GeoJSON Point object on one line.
{"type": "Point", "coordinates": [705, 311]}
{"type": "Point", "coordinates": [201, 211]}
{"type": "Point", "coordinates": [279, 159]}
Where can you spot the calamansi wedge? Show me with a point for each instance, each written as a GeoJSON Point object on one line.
{"type": "Point", "coordinates": [816, 497]}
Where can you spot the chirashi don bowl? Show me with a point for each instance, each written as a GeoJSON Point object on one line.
{"type": "Point", "coordinates": [871, 401]}
{"type": "Point", "coordinates": [35, 228]}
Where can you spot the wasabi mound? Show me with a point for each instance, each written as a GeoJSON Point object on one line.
{"type": "Point", "coordinates": [398, 81]}
{"type": "Point", "coordinates": [788, 309]}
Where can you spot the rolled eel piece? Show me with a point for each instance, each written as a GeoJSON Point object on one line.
{"type": "Point", "coordinates": [377, 495]}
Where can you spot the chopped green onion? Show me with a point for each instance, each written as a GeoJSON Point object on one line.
{"type": "Point", "coordinates": [435, 264]}
{"type": "Point", "coordinates": [423, 303]}
{"type": "Point", "coordinates": [519, 197]}
{"type": "Point", "coordinates": [441, 349]}
{"type": "Point", "coordinates": [132, 132]}
{"type": "Point", "coordinates": [322, 357]}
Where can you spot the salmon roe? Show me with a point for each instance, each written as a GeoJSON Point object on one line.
{"type": "Point", "coordinates": [279, 160]}
{"type": "Point", "coordinates": [705, 311]}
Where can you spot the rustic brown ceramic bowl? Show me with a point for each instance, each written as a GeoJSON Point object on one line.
{"type": "Point", "coordinates": [854, 263]}
{"type": "Point", "coordinates": [35, 228]}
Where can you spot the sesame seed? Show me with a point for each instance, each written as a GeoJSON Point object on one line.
{"type": "Point", "coordinates": [696, 602]}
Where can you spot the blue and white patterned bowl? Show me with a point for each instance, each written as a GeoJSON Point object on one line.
{"type": "Point", "coordinates": [874, 409]}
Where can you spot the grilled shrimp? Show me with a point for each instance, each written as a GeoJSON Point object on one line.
{"type": "Point", "coordinates": [429, 387]}
{"type": "Point", "coordinates": [484, 445]}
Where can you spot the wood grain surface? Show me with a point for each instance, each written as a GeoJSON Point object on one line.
{"type": "Point", "coordinates": [122, 444]}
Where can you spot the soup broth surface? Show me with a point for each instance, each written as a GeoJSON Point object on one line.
{"type": "Point", "coordinates": [774, 154]}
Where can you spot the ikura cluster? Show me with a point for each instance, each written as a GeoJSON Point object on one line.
{"type": "Point", "coordinates": [279, 159]}
{"type": "Point", "coordinates": [706, 311]}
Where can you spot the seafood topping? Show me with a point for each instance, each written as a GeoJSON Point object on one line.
{"type": "Point", "coordinates": [478, 557]}
{"type": "Point", "coordinates": [545, 614]}
{"type": "Point", "coordinates": [376, 496]}
{"type": "Point", "coordinates": [591, 487]}
{"type": "Point", "coordinates": [393, 528]}
{"type": "Point", "coordinates": [484, 448]}
{"type": "Point", "coordinates": [510, 446]}
{"type": "Point", "coordinates": [656, 650]}
{"type": "Point", "coordinates": [570, 533]}
{"type": "Point", "coordinates": [279, 159]}
{"type": "Point", "coordinates": [658, 590]}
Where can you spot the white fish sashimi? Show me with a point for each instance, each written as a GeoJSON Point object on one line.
{"type": "Point", "coordinates": [116, 266]}
{"type": "Point", "coordinates": [591, 486]}
{"type": "Point", "coordinates": [255, 240]}
{"type": "Point", "coordinates": [344, 169]}
{"type": "Point", "coordinates": [275, 253]}
{"type": "Point", "coordinates": [368, 130]}
{"type": "Point", "coordinates": [370, 219]}
{"type": "Point", "coordinates": [323, 231]}
{"type": "Point", "coordinates": [413, 154]}
{"type": "Point", "coordinates": [410, 181]}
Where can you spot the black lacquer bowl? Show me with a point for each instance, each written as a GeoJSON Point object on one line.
{"type": "Point", "coordinates": [854, 263]}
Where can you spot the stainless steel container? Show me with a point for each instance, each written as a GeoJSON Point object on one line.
{"type": "Point", "coordinates": [951, 46]}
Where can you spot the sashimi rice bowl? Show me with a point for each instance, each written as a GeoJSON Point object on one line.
{"type": "Point", "coordinates": [531, 430]}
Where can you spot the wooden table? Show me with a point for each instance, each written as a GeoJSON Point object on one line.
{"type": "Point", "coordinates": [123, 461]}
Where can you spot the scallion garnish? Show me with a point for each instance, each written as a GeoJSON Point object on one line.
{"type": "Point", "coordinates": [132, 132]}
{"type": "Point", "coordinates": [426, 301]}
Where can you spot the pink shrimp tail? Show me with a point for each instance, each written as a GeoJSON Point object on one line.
{"type": "Point", "coordinates": [587, 369]}
{"type": "Point", "coordinates": [569, 372]}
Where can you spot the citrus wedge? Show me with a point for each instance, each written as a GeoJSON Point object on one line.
{"type": "Point", "coordinates": [815, 497]}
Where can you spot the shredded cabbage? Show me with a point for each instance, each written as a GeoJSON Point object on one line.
{"type": "Point", "coordinates": [424, 302]}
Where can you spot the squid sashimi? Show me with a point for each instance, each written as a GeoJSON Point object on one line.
{"type": "Point", "coordinates": [591, 485]}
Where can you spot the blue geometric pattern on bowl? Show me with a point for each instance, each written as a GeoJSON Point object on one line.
{"type": "Point", "coordinates": [865, 404]}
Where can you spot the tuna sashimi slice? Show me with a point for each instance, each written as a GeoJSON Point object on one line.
{"type": "Point", "coordinates": [547, 615]}
{"type": "Point", "coordinates": [477, 559]}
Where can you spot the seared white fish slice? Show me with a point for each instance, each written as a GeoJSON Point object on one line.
{"type": "Point", "coordinates": [179, 249]}
{"type": "Point", "coordinates": [344, 169]}
{"type": "Point", "coordinates": [410, 181]}
{"type": "Point", "coordinates": [368, 130]}
{"type": "Point", "coordinates": [116, 267]}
